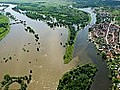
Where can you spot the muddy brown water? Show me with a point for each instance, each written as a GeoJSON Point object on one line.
{"type": "Point", "coordinates": [47, 64]}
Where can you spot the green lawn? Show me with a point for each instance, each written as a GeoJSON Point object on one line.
{"type": "Point", "coordinates": [68, 54]}
{"type": "Point", "coordinates": [3, 19]}
{"type": "Point", "coordinates": [116, 13]}
{"type": "Point", "coordinates": [4, 26]}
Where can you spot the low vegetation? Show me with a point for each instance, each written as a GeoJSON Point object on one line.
{"type": "Point", "coordinates": [45, 2]}
{"type": "Point", "coordinates": [115, 14]}
{"type": "Point", "coordinates": [79, 78]}
{"type": "Point", "coordinates": [4, 26]}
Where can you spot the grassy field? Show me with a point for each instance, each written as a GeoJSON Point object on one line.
{"type": "Point", "coordinates": [68, 54]}
{"type": "Point", "coordinates": [56, 2]}
{"type": "Point", "coordinates": [46, 2]}
{"type": "Point", "coordinates": [4, 27]}
{"type": "Point", "coordinates": [116, 13]}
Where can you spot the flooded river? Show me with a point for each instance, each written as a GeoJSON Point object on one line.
{"type": "Point", "coordinates": [86, 52]}
{"type": "Point", "coordinates": [47, 64]}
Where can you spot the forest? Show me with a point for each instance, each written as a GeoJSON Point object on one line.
{"type": "Point", "coordinates": [96, 3]}
{"type": "Point", "coordinates": [79, 78]}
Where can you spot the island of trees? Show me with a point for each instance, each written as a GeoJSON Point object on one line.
{"type": "Point", "coordinates": [79, 78]}
{"type": "Point", "coordinates": [8, 80]}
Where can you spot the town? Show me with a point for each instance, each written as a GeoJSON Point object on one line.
{"type": "Point", "coordinates": [106, 37]}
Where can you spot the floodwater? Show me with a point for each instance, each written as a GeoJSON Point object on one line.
{"type": "Point", "coordinates": [47, 64]}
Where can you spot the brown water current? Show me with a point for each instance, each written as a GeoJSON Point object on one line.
{"type": "Point", "coordinates": [46, 64]}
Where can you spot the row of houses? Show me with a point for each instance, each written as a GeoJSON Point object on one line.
{"type": "Point", "coordinates": [100, 35]}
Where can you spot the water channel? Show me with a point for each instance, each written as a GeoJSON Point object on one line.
{"type": "Point", "coordinates": [86, 52]}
